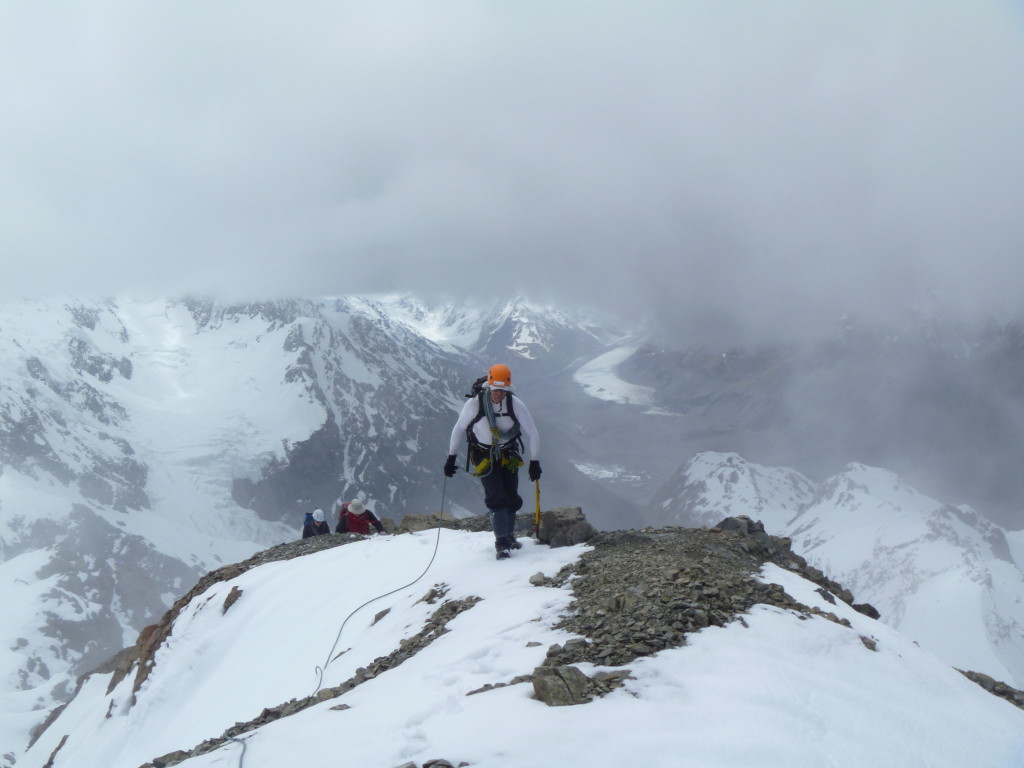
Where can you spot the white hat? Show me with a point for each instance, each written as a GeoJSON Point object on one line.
{"type": "Point", "coordinates": [356, 507]}
{"type": "Point", "coordinates": [318, 515]}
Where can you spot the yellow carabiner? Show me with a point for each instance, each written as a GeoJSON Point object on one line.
{"type": "Point", "coordinates": [511, 462]}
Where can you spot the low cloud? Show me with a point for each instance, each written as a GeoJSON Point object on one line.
{"type": "Point", "coordinates": [731, 173]}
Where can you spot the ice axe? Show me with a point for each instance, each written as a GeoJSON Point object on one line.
{"type": "Point", "coordinates": [536, 517]}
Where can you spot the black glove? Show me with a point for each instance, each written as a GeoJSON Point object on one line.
{"type": "Point", "coordinates": [534, 470]}
{"type": "Point", "coordinates": [449, 466]}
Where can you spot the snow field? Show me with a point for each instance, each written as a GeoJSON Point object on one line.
{"type": "Point", "coordinates": [776, 690]}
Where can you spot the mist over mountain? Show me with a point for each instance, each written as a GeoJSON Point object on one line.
{"type": "Point", "coordinates": [941, 403]}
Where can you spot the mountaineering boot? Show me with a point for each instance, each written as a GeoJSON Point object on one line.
{"type": "Point", "coordinates": [501, 547]}
{"type": "Point", "coordinates": [513, 542]}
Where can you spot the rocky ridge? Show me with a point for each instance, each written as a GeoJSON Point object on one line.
{"type": "Point", "coordinates": [639, 592]}
{"type": "Point", "coordinates": [636, 592]}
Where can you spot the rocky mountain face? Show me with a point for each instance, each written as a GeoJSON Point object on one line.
{"type": "Point", "coordinates": [59, 420]}
{"type": "Point", "coordinates": [385, 396]}
{"type": "Point", "coordinates": [80, 583]}
{"type": "Point", "coordinates": [918, 561]}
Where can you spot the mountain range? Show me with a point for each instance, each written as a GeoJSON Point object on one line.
{"type": "Point", "coordinates": [146, 443]}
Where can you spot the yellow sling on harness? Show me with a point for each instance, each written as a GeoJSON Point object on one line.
{"type": "Point", "coordinates": [510, 461]}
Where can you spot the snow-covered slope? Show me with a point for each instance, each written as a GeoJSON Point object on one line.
{"type": "Point", "coordinates": [943, 575]}
{"type": "Point", "coordinates": [777, 689]}
{"type": "Point", "coordinates": [940, 573]}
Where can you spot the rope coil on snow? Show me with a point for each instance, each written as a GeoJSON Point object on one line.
{"type": "Point", "coordinates": [320, 670]}
{"type": "Point", "coordinates": [241, 757]}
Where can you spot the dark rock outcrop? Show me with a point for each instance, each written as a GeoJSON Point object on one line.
{"type": "Point", "coordinates": [561, 686]}
{"type": "Point", "coordinates": [640, 592]}
{"type": "Point", "coordinates": [564, 527]}
{"type": "Point", "coordinates": [996, 688]}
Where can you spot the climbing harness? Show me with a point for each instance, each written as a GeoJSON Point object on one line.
{"type": "Point", "coordinates": [505, 447]}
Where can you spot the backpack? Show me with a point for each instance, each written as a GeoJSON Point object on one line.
{"type": "Point", "coordinates": [478, 387]}
{"type": "Point", "coordinates": [353, 522]}
{"type": "Point", "coordinates": [357, 523]}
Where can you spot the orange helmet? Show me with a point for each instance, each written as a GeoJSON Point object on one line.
{"type": "Point", "coordinates": [499, 377]}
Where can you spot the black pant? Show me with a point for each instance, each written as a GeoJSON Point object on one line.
{"type": "Point", "coordinates": [501, 491]}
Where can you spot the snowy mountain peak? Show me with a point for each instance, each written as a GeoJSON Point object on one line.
{"type": "Point", "coordinates": [713, 485]}
{"type": "Point", "coordinates": [513, 329]}
{"type": "Point", "coordinates": [917, 560]}
{"type": "Point", "coordinates": [858, 484]}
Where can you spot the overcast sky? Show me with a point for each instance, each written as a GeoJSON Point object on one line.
{"type": "Point", "coordinates": [748, 166]}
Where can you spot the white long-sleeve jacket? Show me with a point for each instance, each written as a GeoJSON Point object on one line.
{"type": "Point", "coordinates": [482, 430]}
